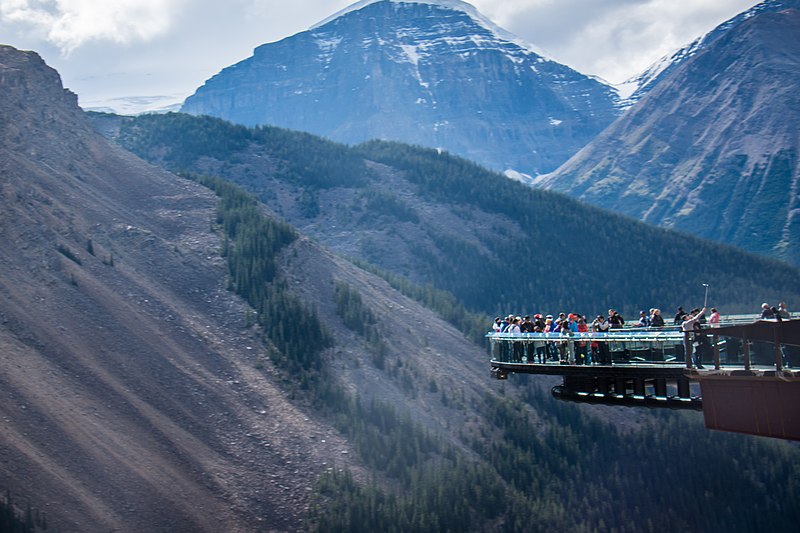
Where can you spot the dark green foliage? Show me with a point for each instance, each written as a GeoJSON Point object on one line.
{"type": "Point", "coordinates": [670, 471]}
{"type": "Point", "coordinates": [350, 307]}
{"type": "Point", "coordinates": [178, 141]}
{"type": "Point", "coordinates": [454, 496]}
{"type": "Point", "coordinates": [569, 256]}
{"type": "Point", "coordinates": [540, 252]}
{"type": "Point", "coordinates": [379, 202]}
{"type": "Point", "coordinates": [252, 241]}
{"type": "Point", "coordinates": [573, 472]}
{"type": "Point", "coordinates": [14, 521]}
{"type": "Point", "coordinates": [69, 254]}
{"type": "Point", "coordinates": [473, 326]}
{"type": "Point", "coordinates": [358, 317]}
{"type": "Point", "coordinates": [309, 160]}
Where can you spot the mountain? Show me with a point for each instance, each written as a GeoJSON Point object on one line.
{"type": "Point", "coordinates": [434, 73]}
{"type": "Point", "coordinates": [173, 357]}
{"type": "Point", "coordinates": [641, 84]}
{"type": "Point", "coordinates": [138, 394]}
{"type": "Point", "coordinates": [712, 149]}
{"type": "Point", "coordinates": [427, 216]}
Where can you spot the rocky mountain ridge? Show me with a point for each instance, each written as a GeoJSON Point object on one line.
{"type": "Point", "coordinates": [430, 73]}
{"type": "Point", "coordinates": [136, 395]}
{"type": "Point", "coordinates": [660, 69]}
{"type": "Point", "coordinates": [712, 149]}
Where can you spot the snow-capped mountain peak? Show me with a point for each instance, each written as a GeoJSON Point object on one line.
{"type": "Point", "coordinates": [455, 5]}
{"type": "Point", "coordinates": [636, 87]}
{"type": "Point", "coordinates": [427, 72]}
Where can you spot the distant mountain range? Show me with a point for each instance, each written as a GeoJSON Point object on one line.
{"type": "Point", "coordinates": [707, 143]}
{"type": "Point", "coordinates": [713, 147]}
{"type": "Point", "coordinates": [434, 73]}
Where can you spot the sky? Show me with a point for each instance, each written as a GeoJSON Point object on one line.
{"type": "Point", "coordinates": [160, 51]}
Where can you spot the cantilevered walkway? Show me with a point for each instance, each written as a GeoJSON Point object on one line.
{"type": "Point", "coordinates": [650, 367]}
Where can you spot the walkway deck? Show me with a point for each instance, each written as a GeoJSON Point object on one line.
{"type": "Point", "coordinates": [648, 366]}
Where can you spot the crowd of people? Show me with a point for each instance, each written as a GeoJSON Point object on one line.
{"type": "Point", "coordinates": [778, 312]}
{"type": "Point", "coordinates": [580, 352]}
{"type": "Point", "coordinates": [588, 351]}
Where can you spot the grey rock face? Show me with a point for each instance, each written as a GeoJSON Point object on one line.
{"type": "Point", "coordinates": [434, 74]}
{"type": "Point", "coordinates": [662, 68]}
{"type": "Point", "coordinates": [713, 148]}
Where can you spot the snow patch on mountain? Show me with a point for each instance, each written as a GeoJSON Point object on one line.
{"type": "Point", "coordinates": [456, 5]}
{"type": "Point", "coordinates": [135, 105]}
{"type": "Point", "coordinates": [635, 88]}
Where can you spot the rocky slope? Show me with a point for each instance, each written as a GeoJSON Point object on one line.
{"type": "Point", "coordinates": [433, 73]}
{"type": "Point", "coordinates": [713, 148]}
{"type": "Point", "coordinates": [666, 65]}
{"type": "Point", "coordinates": [135, 396]}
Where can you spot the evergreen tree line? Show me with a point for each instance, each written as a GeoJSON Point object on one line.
{"type": "Point", "coordinates": [252, 242]}
{"type": "Point", "coordinates": [352, 310]}
{"type": "Point", "coordinates": [13, 521]}
{"type": "Point", "coordinates": [555, 254]}
{"type": "Point", "coordinates": [361, 320]}
{"type": "Point", "coordinates": [178, 141]}
{"type": "Point", "coordinates": [573, 472]}
{"type": "Point", "coordinates": [567, 255]}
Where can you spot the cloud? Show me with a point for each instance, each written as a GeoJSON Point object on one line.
{"type": "Point", "coordinates": [612, 38]}
{"type": "Point", "coordinates": [68, 24]}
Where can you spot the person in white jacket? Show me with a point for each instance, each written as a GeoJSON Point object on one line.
{"type": "Point", "coordinates": [688, 326]}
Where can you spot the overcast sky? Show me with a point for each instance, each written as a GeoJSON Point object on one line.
{"type": "Point", "coordinates": [107, 49]}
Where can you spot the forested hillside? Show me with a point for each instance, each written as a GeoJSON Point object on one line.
{"type": "Point", "coordinates": [523, 462]}
{"type": "Point", "coordinates": [435, 219]}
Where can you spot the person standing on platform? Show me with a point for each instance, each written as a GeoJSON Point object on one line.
{"type": "Point", "coordinates": [516, 347]}
{"type": "Point", "coordinates": [656, 320]}
{"type": "Point", "coordinates": [687, 326]}
{"type": "Point", "coordinates": [615, 319]}
{"type": "Point", "coordinates": [600, 325]}
{"type": "Point", "coordinates": [582, 356]}
{"type": "Point", "coordinates": [714, 319]}
{"type": "Point", "coordinates": [527, 326]}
